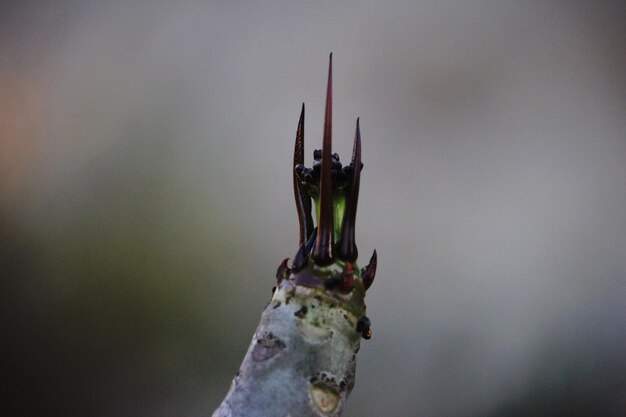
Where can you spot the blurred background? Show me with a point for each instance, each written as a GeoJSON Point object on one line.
{"type": "Point", "coordinates": [145, 199]}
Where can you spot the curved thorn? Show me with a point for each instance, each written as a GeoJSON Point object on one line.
{"type": "Point", "coordinates": [283, 271]}
{"type": "Point", "coordinates": [369, 272]}
{"type": "Point", "coordinates": [299, 261]}
{"type": "Point", "coordinates": [323, 253]}
{"type": "Point", "coordinates": [347, 245]}
{"type": "Point", "coordinates": [303, 200]}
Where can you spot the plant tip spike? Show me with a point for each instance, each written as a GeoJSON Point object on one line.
{"type": "Point", "coordinates": [369, 272]}
{"type": "Point", "coordinates": [347, 245]}
{"type": "Point", "coordinates": [323, 253]}
{"type": "Point", "coordinates": [283, 271]}
{"type": "Point", "coordinates": [303, 199]}
{"type": "Point", "coordinates": [299, 261]}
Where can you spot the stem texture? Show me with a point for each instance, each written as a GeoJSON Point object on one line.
{"type": "Point", "coordinates": [302, 359]}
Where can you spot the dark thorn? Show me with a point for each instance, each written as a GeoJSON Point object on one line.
{"type": "Point", "coordinates": [298, 153]}
{"type": "Point", "coordinates": [283, 271]}
{"type": "Point", "coordinates": [299, 261]}
{"type": "Point", "coordinates": [369, 272]}
{"type": "Point", "coordinates": [347, 245]}
{"type": "Point", "coordinates": [303, 200]}
{"type": "Point", "coordinates": [323, 253]}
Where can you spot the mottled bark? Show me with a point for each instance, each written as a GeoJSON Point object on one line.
{"type": "Point", "coordinates": [302, 358]}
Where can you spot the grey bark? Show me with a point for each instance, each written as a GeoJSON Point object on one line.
{"type": "Point", "coordinates": [302, 359]}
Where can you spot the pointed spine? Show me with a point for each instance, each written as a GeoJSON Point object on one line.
{"type": "Point", "coordinates": [369, 272]}
{"type": "Point", "coordinates": [323, 253]}
{"type": "Point", "coordinates": [282, 272]}
{"type": "Point", "coordinates": [299, 261]}
{"type": "Point", "coordinates": [303, 200]}
{"type": "Point", "coordinates": [347, 245]}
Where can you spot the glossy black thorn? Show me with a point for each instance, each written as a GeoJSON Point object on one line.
{"type": "Point", "coordinates": [347, 245]}
{"type": "Point", "coordinates": [323, 252]}
{"type": "Point", "coordinates": [299, 261]}
{"type": "Point", "coordinates": [369, 272]}
{"type": "Point", "coordinates": [303, 199]}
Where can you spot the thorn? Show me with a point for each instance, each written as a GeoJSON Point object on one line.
{"type": "Point", "coordinates": [347, 244]}
{"type": "Point", "coordinates": [303, 200]}
{"type": "Point", "coordinates": [299, 261]}
{"type": "Point", "coordinates": [283, 271]}
{"type": "Point", "coordinates": [369, 272]}
{"type": "Point", "coordinates": [323, 253]}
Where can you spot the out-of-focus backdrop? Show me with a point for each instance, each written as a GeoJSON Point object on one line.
{"type": "Point", "coordinates": [145, 199]}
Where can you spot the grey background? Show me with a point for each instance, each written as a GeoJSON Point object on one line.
{"type": "Point", "coordinates": [145, 198]}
